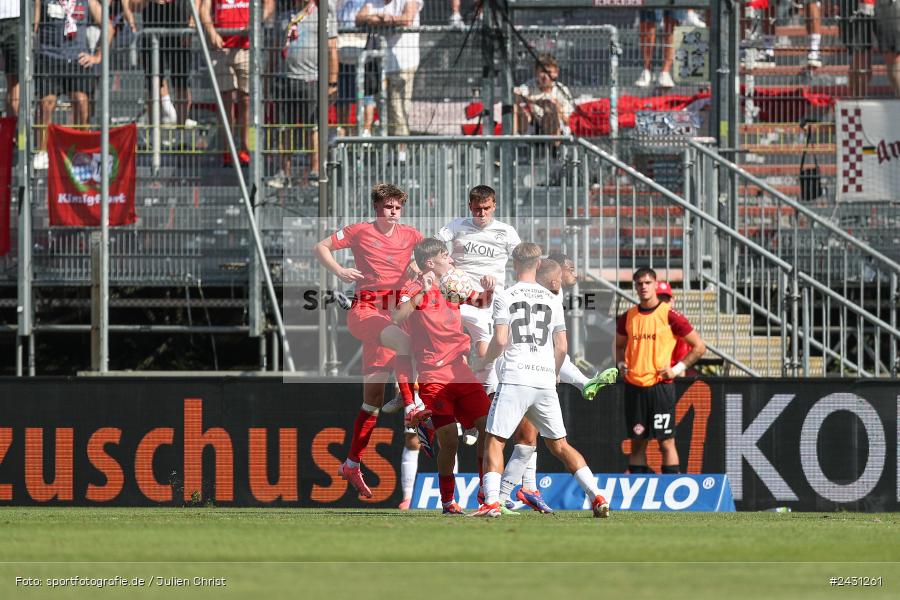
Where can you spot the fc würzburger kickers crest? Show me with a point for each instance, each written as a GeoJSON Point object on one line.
{"type": "Point", "coordinates": [73, 186]}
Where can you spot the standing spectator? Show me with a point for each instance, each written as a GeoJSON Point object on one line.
{"type": "Point", "coordinates": [456, 19]}
{"type": "Point", "coordinates": [649, 23]}
{"type": "Point", "coordinates": [402, 58]}
{"type": "Point", "coordinates": [65, 62]}
{"type": "Point", "coordinates": [9, 50]}
{"type": "Point", "coordinates": [231, 61]}
{"type": "Point", "coordinates": [887, 29]}
{"type": "Point", "coordinates": [297, 89]}
{"type": "Point", "coordinates": [543, 102]}
{"type": "Point", "coordinates": [350, 47]}
{"type": "Point", "coordinates": [174, 53]}
{"type": "Point", "coordinates": [645, 340]}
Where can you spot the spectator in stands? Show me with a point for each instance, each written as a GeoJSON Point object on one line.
{"type": "Point", "coordinates": [350, 47]}
{"type": "Point", "coordinates": [402, 58]}
{"type": "Point", "coordinates": [9, 51]}
{"type": "Point", "coordinates": [174, 53]}
{"type": "Point", "coordinates": [649, 22]}
{"type": "Point", "coordinates": [297, 89]}
{"type": "Point", "coordinates": [456, 19]}
{"type": "Point", "coordinates": [65, 62]}
{"type": "Point", "coordinates": [231, 60]}
{"type": "Point", "coordinates": [887, 29]}
{"type": "Point", "coordinates": [766, 14]}
{"type": "Point", "coordinates": [543, 104]}
{"type": "Point", "coordinates": [857, 29]}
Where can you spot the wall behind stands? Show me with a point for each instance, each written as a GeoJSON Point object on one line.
{"type": "Point", "coordinates": [808, 444]}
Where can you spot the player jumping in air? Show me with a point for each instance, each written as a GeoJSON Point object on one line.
{"type": "Point", "coordinates": [447, 386]}
{"type": "Point", "coordinates": [382, 250]}
{"type": "Point", "coordinates": [530, 333]}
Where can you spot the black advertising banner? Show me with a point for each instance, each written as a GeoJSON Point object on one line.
{"type": "Point", "coordinates": [816, 444]}
{"type": "Point", "coordinates": [806, 444]}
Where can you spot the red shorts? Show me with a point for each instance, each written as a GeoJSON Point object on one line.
{"type": "Point", "coordinates": [365, 322]}
{"type": "Point", "coordinates": [456, 397]}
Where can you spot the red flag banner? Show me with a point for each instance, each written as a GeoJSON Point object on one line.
{"type": "Point", "coordinates": [73, 181]}
{"type": "Point", "coordinates": [7, 146]}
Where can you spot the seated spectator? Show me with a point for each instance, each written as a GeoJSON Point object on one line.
{"type": "Point", "coordinates": [65, 62]}
{"type": "Point", "coordinates": [231, 61]}
{"type": "Point", "coordinates": [543, 105]}
{"type": "Point", "coordinates": [174, 53]}
{"type": "Point", "coordinates": [9, 52]}
{"type": "Point", "coordinates": [297, 87]}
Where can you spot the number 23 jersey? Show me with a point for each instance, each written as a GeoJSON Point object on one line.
{"type": "Point", "coordinates": [533, 314]}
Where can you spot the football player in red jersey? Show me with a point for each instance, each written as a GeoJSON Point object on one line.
{"type": "Point", "coordinates": [382, 250]}
{"type": "Point", "coordinates": [665, 294]}
{"type": "Point", "coordinates": [447, 386]}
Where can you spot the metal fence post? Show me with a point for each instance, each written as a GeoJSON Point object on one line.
{"type": "Point", "coordinates": [155, 100]}
{"type": "Point", "coordinates": [25, 126]}
{"type": "Point", "coordinates": [895, 304]}
{"type": "Point", "coordinates": [255, 315]}
{"type": "Point", "coordinates": [104, 190]}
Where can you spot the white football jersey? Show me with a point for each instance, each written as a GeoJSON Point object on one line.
{"type": "Point", "coordinates": [479, 251]}
{"type": "Point", "coordinates": [533, 314]}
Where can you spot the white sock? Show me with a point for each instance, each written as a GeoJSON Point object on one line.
{"type": "Point", "coordinates": [815, 40]}
{"type": "Point", "coordinates": [515, 468]}
{"type": "Point", "coordinates": [586, 480]}
{"type": "Point", "coordinates": [409, 465]}
{"type": "Point", "coordinates": [490, 485]}
{"type": "Point", "coordinates": [529, 477]}
{"type": "Point", "coordinates": [571, 374]}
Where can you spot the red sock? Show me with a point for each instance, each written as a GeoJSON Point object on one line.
{"type": "Point", "coordinates": [448, 487]}
{"type": "Point", "coordinates": [403, 368]}
{"type": "Point", "coordinates": [362, 431]}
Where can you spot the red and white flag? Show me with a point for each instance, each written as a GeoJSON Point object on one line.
{"type": "Point", "coordinates": [74, 176]}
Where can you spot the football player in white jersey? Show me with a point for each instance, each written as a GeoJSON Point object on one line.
{"type": "Point", "coordinates": [481, 245]}
{"type": "Point", "coordinates": [552, 274]}
{"type": "Point", "coordinates": [530, 333]}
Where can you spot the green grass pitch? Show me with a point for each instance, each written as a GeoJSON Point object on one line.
{"type": "Point", "coordinates": [366, 553]}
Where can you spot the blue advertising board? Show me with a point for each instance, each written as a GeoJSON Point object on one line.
{"type": "Point", "coordinates": [692, 493]}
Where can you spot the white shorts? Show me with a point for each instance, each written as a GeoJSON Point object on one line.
{"type": "Point", "coordinates": [480, 327]}
{"type": "Point", "coordinates": [512, 402]}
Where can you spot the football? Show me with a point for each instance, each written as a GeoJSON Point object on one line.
{"type": "Point", "coordinates": [456, 286]}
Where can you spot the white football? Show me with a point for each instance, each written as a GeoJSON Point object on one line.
{"type": "Point", "coordinates": [456, 286]}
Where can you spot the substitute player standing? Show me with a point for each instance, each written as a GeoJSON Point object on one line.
{"type": "Point", "coordinates": [481, 246]}
{"type": "Point", "coordinates": [530, 333]}
{"type": "Point", "coordinates": [645, 339]}
{"type": "Point", "coordinates": [382, 250]}
{"type": "Point", "coordinates": [447, 386]}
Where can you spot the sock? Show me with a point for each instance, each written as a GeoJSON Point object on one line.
{"type": "Point", "coordinates": [491, 486]}
{"type": "Point", "coordinates": [638, 469]}
{"type": "Point", "coordinates": [671, 469]}
{"type": "Point", "coordinates": [529, 477]}
{"type": "Point", "coordinates": [409, 465]}
{"type": "Point", "coordinates": [571, 374]}
{"type": "Point", "coordinates": [362, 431]}
{"type": "Point", "coordinates": [586, 481]}
{"type": "Point", "coordinates": [448, 487]}
{"type": "Point", "coordinates": [455, 463]}
{"type": "Point", "coordinates": [815, 40]}
{"type": "Point", "coordinates": [515, 467]}
{"type": "Point", "coordinates": [405, 377]}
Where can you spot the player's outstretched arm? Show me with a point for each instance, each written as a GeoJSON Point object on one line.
{"type": "Point", "coordinates": [324, 252]}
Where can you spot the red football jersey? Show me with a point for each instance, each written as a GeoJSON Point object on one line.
{"type": "Point", "coordinates": [232, 14]}
{"type": "Point", "coordinates": [380, 258]}
{"type": "Point", "coordinates": [435, 331]}
{"type": "Point", "coordinates": [681, 350]}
